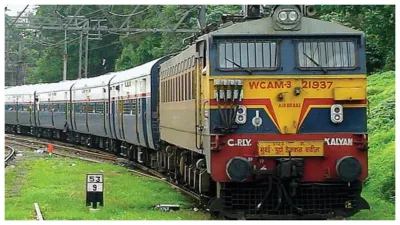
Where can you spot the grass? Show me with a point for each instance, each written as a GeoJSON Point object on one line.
{"type": "Point", "coordinates": [379, 188]}
{"type": "Point", "coordinates": [380, 209]}
{"type": "Point", "coordinates": [59, 189]}
{"type": "Point", "coordinates": [381, 130]}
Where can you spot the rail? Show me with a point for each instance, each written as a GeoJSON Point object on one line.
{"type": "Point", "coordinates": [39, 215]}
{"type": "Point", "coordinates": [10, 154]}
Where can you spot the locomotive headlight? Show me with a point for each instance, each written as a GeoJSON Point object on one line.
{"type": "Point", "coordinates": [241, 119]}
{"type": "Point", "coordinates": [293, 15]}
{"type": "Point", "coordinates": [282, 16]}
{"type": "Point", "coordinates": [240, 110]}
{"type": "Point", "coordinates": [348, 168]}
{"type": "Point", "coordinates": [241, 115]}
{"type": "Point", "coordinates": [337, 113]}
{"type": "Point", "coordinates": [286, 17]}
{"type": "Point", "coordinates": [238, 169]}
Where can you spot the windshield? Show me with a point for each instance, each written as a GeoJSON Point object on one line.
{"type": "Point", "coordinates": [248, 54]}
{"type": "Point", "coordinates": [326, 54]}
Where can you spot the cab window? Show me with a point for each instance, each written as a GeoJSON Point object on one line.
{"type": "Point", "coordinates": [251, 54]}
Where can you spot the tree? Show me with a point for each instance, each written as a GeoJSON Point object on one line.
{"type": "Point", "coordinates": [378, 24]}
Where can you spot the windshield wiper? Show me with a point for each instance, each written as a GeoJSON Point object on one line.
{"type": "Point", "coordinates": [317, 64]}
{"type": "Point", "coordinates": [241, 67]}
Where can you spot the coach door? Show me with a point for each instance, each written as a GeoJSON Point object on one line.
{"type": "Point", "coordinates": [121, 94]}
{"type": "Point", "coordinates": [119, 111]}
{"type": "Point", "coordinates": [136, 102]}
{"type": "Point", "coordinates": [105, 109]}
{"type": "Point", "coordinates": [17, 109]}
{"type": "Point", "coordinates": [199, 93]}
{"type": "Point", "coordinates": [36, 108]}
{"type": "Point", "coordinates": [113, 111]}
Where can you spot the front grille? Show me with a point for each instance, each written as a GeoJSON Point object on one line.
{"type": "Point", "coordinates": [313, 198]}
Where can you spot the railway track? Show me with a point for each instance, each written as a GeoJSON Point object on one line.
{"type": "Point", "coordinates": [35, 143]}
{"type": "Point", "coordinates": [9, 155]}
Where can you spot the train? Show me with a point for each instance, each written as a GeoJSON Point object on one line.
{"type": "Point", "coordinates": [266, 116]}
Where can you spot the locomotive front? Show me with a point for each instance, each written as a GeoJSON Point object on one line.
{"type": "Point", "coordinates": [284, 100]}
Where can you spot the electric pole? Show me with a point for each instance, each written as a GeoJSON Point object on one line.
{"type": "Point", "coordinates": [65, 56]}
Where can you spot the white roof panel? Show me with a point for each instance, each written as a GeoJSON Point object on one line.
{"type": "Point", "coordinates": [135, 72]}
{"type": "Point", "coordinates": [93, 81]}
{"type": "Point", "coordinates": [24, 89]}
{"type": "Point", "coordinates": [54, 87]}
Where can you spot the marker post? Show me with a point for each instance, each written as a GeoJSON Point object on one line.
{"type": "Point", "coordinates": [94, 190]}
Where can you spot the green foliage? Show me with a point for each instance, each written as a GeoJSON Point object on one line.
{"type": "Point", "coordinates": [43, 54]}
{"type": "Point", "coordinates": [380, 209]}
{"type": "Point", "coordinates": [379, 188]}
{"type": "Point", "coordinates": [49, 67]}
{"type": "Point", "coordinates": [378, 24]}
{"type": "Point", "coordinates": [381, 130]}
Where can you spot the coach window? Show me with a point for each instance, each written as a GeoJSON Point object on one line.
{"type": "Point", "coordinates": [186, 86]}
{"type": "Point", "coordinates": [180, 88]}
{"type": "Point", "coordinates": [190, 85]}
{"type": "Point", "coordinates": [170, 92]}
{"type": "Point", "coordinates": [99, 107]}
{"type": "Point", "coordinates": [55, 107]}
{"type": "Point", "coordinates": [176, 89]}
{"type": "Point", "coordinates": [194, 82]}
{"type": "Point", "coordinates": [167, 91]}
{"type": "Point", "coordinates": [164, 90]}
{"type": "Point", "coordinates": [183, 85]}
{"type": "Point", "coordinates": [173, 90]}
{"type": "Point", "coordinates": [127, 106]}
{"type": "Point", "coordinates": [62, 107]}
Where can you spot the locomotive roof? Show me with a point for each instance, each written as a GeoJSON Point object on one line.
{"type": "Point", "coordinates": [135, 72]}
{"type": "Point", "coordinates": [265, 26]}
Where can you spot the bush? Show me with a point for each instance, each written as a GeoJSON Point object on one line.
{"type": "Point", "coordinates": [381, 130]}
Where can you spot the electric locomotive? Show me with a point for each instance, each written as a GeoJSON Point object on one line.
{"type": "Point", "coordinates": [274, 109]}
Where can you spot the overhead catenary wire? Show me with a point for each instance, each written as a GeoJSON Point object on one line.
{"type": "Point", "coordinates": [129, 15]}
